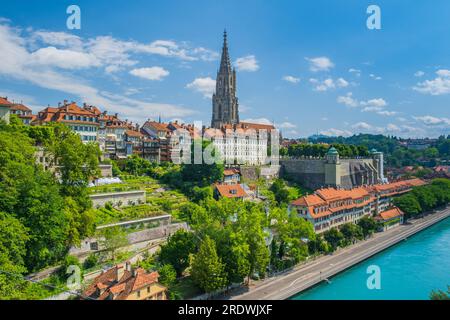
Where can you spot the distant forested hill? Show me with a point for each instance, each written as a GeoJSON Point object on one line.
{"type": "Point", "coordinates": [396, 152]}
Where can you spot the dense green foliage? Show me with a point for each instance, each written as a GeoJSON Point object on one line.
{"type": "Point", "coordinates": [368, 226]}
{"type": "Point", "coordinates": [203, 174]}
{"type": "Point", "coordinates": [319, 150]}
{"type": "Point", "coordinates": [424, 198]}
{"type": "Point", "coordinates": [113, 239]}
{"type": "Point", "coordinates": [177, 250]}
{"type": "Point", "coordinates": [280, 191]}
{"type": "Point", "coordinates": [208, 271]}
{"type": "Point", "coordinates": [46, 213]}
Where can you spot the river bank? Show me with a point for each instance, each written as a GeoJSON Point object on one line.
{"type": "Point", "coordinates": [312, 273]}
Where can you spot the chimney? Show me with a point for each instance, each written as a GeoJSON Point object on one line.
{"type": "Point", "coordinates": [65, 102]}
{"type": "Point", "coordinates": [128, 266]}
{"type": "Point", "coordinates": [59, 104]}
{"type": "Point", "coordinates": [119, 271]}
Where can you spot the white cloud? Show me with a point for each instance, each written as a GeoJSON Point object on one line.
{"type": "Point", "coordinates": [62, 58]}
{"type": "Point", "coordinates": [387, 113]}
{"type": "Point", "coordinates": [392, 127]}
{"type": "Point", "coordinates": [115, 52]}
{"type": "Point", "coordinates": [375, 77]}
{"type": "Point", "coordinates": [328, 84]}
{"type": "Point", "coordinates": [438, 86]}
{"type": "Point", "coordinates": [443, 73]}
{"type": "Point", "coordinates": [419, 74]}
{"type": "Point", "coordinates": [356, 72]}
{"type": "Point", "coordinates": [379, 102]}
{"type": "Point", "coordinates": [320, 64]}
{"type": "Point", "coordinates": [14, 64]}
{"type": "Point", "coordinates": [152, 73]}
{"type": "Point", "coordinates": [291, 79]}
{"type": "Point", "coordinates": [286, 125]}
{"type": "Point", "coordinates": [62, 39]}
{"type": "Point", "coordinates": [333, 132]}
{"type": "Point", "coordinates": [206, 86]}
{"type": "Point", "coordinates": [372, 109]}
{"type": "Point", "coordinates": [247, 63]}
{"type": "Point", "coordinates": [433, 121]}
{"type": "Point", "coordinates": [341, 83]}
{"type": "Point", "coordinates": [362, 126]}
{"type": "Point", "coordinates": [348, 100]}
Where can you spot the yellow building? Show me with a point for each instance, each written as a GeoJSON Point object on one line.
{"type": "Point", "coordinates": [124, 283]}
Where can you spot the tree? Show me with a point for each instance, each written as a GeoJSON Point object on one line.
{"type": "Point", "coordinates": [14, 237]}
{"type": "Point", "coordinates": [113, 239]}
{"type": "Point", "coordinates": [334, 238]}
{"type": "Point", "coordinates": [13, 240]}
{"type": "Point", "coordinates": [318, 245]}
{"type": "Point", "coordinates": [250, 223]}
{"type": "Point", "coordinates": [293, 233]}
{"type": "Point", "coordinates": [234, 251]}
{"type": "Point", "coordinates": [33, 197]}
{"type": "Point", "coordinates": [440, 295]}
{"type": "Point", "coordinates": [167, 275]}
{"type": "Point", "coordinates": [77, 162]}
{"type": "Point", "coordinates": [198, 194]}
{"type": "Point", "coordinates": [409, 204]}
{"type": "Point", "coordinates": [351, 232]}
{"type": "Point", "coordinates": [203, 174]}
{"type": "Point", "coordinates": [207, 269]}
{"type": "Point", "coordinates": [368, 226]}
{"type": "Point", "coordinates": [426, 197]}
{"type": "Point", "coordinates": [280, 191]}
{"type": "Point", "coordinates": [177, 250]}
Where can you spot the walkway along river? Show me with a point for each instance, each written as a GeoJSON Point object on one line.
{"type": "Point", "coordinates": [290, 284]}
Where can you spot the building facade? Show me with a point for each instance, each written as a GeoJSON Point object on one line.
{"type": "Point", "coordinates": [332, 207]}
{"type": "Point", "coordinates": [82, 120]}
{"type": "Point", "coordinates": [333, 171]}
{"type": "Point", "coordinates": [23, 112]}
{"type": "Point", "coordinates": [5, 111]}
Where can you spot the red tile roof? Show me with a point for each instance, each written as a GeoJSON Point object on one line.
{"type": "Point", "coordinates": [4, 102]}
{"type": "Point", "coordinates": [107, 283]}
{"type": "Point", "coordinates": [231, 191]}
{"type": "Point", "coordinates": [391, 214]}
{"type": "Point", "coordinates": [20, 107]}
{"type": "Point", "coordinates": [230, 172]}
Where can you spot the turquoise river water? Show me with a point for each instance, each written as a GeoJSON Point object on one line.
{"type": "Point", "coordinates": [409, 270]}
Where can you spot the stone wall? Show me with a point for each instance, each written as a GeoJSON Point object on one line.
{"type": "Point", "coordinates": [308, 172]}
{"type": "Point", "coordinates": [105, 170]}
{"type": "Point", "coordinates": [118, 198]}
{"type": "Point", "coordinates": [311, 172]}
{"type": "Point", "coordinates": [249, 172]}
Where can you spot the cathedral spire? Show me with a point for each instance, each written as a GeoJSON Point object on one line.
{"type": "Point", "coordinates": [225, 102]}
{"type": "Point", "coordinates": [225, 64]}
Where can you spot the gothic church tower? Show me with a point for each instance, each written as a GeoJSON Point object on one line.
{"type": "Point", "coordinates": [224, 100]}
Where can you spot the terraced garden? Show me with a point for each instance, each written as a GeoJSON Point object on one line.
{"type": "Point", "coordinates": [159, 200]}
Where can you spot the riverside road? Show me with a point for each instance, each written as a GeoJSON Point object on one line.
{"type": "Point", "coordinates": [286, 285]}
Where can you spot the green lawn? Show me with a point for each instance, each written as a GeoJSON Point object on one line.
{"type": "Point", "coordinates": [186, 288]}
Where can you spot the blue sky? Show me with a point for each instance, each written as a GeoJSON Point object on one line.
{"type": "Point", "coordinates": [308, 66]}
